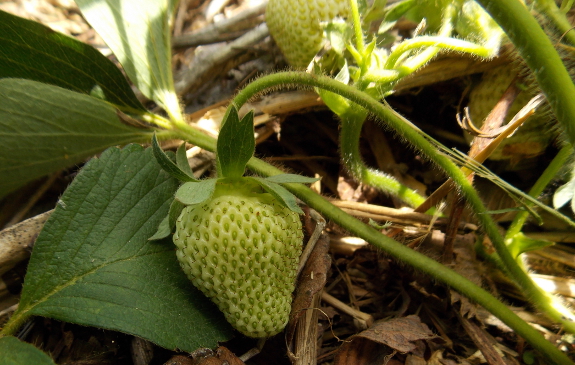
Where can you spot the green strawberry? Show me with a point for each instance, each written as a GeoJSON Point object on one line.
{"type": "Point", "coordinates": [295, 26]}
{"type": "Point", "coordinates": [241, 249]}
{"type": "Point", "coordinates": [238, 238]}
{"type": "Point", "coordinates": [531, 138]}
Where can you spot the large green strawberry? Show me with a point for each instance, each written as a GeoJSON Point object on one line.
{"type": "Point", "coordinates": [295, 26]}
{"type": "Point", "coordinates": [241, 249]}
{"type": "Point", "coordinates": [238, 238]}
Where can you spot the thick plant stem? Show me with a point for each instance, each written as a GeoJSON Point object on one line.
{"type": "Point", "coordinates": [540, 55]}
{"type": "Point", "coordinates": [413, 258]}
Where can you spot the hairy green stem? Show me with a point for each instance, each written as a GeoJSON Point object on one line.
{"type": "Point", "coordinates": [541, 57]}
{"type": "Point", "coordinates": [399, 251]}
{"type": "Point", "coordinates": [550, 172]}
{"type": "Point", "coordinates": [553, 13]}
{"type": "Point", "coordinates": [415, 62]}
{"type": "Point", "coordinates": [351, 125]}
{"type": "Point", "coordinates": [405, 129]}
{"type": "Point", "coordinates": [444, 43]}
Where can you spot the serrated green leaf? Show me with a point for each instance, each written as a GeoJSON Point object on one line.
{"type": "Point", "coordinates": [44, 128]}
{"type": "Point", "coordinates": [236, 144]}
{"type": "Point", "coordinates": [92, 264]}
{"type": "Point", "coordinates": [138, 32]}
{"type": "Point", "coordinates": [192, 193]}
{"type": "Point", "coordinates": [30, 50]}
{"type": "Point", "coordinates": [291, 178]}
{"type": "Point", "coordinates": [280, 193]}
{"type": "Point", "coordinates": [16, 352]}
{"type": "Point", "coordinates": [182, 160]}
{"type": "Point", "coordinates": [167, 164]}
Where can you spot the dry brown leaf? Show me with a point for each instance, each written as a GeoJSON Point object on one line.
{"type": "Point", "coordinates": [398, 335]}
{"type": "Point", "coordinates": [222, 356]}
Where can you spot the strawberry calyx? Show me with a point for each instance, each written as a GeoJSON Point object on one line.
{"type": "Point", "coordinates": [235, 147]}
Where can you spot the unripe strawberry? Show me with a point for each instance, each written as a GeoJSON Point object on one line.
{"type": "Point", "coordinates": [241, 248]}
{"type": "Point", "coordinates": [531, 138]}
{"type": "Point", "coordinates": [295, 26]}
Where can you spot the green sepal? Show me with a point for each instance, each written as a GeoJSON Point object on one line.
{"type": "Point", "coordinates": [192, 193]}
{"type": "Point", "coordinates": [163, 230]}
{"type": "Point", "coordinates": [182, 160]}
{"type": "Point", "coordinates": [176, 208]}
{"type": "Point", "coordinates": [291, 178]}
{"type": "Point", "coordinates": [520, 243]}
{"type": "Point", "coordinates": [236, 144]}
{"type": "Point", "coordinates": [368, 51]}
{"type": "Point", "coordinates": [279, 192]}
{"type": "Point", "coordinates": [167, 164]}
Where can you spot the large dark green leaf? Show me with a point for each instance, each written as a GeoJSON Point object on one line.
{"type": "Point", "coordinates": [30, 50]}
{"type": "Point", "coordinates": [93, 264]}
{"type": "Point", "coordinates": [15, 352]}
{"type": "Point", "coordinates": [44, 128]}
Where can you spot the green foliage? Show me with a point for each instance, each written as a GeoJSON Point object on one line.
{"type": "Point", "coordinates": [32, 51]}
{"type": "Point", "coordinates": [15, 352]}
{"type": "Point", "coordinates": [44, 128]}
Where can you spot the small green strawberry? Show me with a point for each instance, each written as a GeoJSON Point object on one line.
{"type": "Point", "coordinates": [238, 238]}
{"type": "Point", "coordinates": [295, 26]}
{"type": "Point", "coordinates": [531, 138]}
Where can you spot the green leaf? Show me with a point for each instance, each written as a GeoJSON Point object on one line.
{"type": "Point", "coordinates": [30, 50]}
{"type": "Point", "coordinates": [521, 244]}
{"type": "Point", "coordinates": [192, 193]}
{"type": "Point", "coordinates": [92, 264]}
{"type": "Point", "coordinates": [280, 193]}
{"type": "Point", "coordinates": [291, 178]}
{"type": "Point", "coordinates": [44, 128]}
{"type": "Point", "coordinates": [16, 352]}
{"type": "Point", "coordinates": [138, 32]}
{"type": "Point", "coordinates": [182, 160]}
{"type": "Point", "coordinates": [335, 102]}
{"type": "Point", "coordinates": [564, 194]}
{"type": "Point", "coordinates": [167, 164]}
{"type": "Point", "coordinates": [236, 144]}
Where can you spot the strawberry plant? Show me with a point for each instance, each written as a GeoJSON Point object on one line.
{"type": "Point", "coordinates": [105, 258]}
